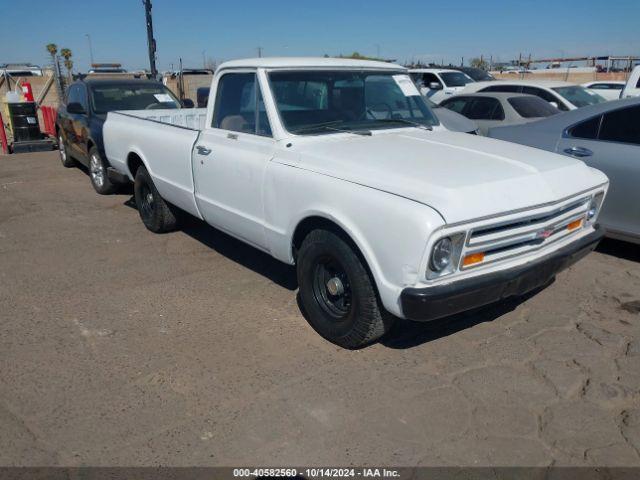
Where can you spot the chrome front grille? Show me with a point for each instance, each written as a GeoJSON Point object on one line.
{"type": "Point", "coordinates": [504, 240]}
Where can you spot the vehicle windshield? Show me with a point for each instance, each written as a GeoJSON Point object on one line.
{"type": "Point", "coordinates": [579, 96]}
{"type": "Point", "coordinates": [532, 107]}
{"type": "Point", "coordinates": [455, 79]}
{"type": "Point", "coordinates": [107, 98]}
{"type": "Point", "coordinates": [315, 102]}
{"type": "Point", "coordinates": [478, 74]}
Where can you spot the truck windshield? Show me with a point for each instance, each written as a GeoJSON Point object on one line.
{"type": "Point", "coordinates": [321, 102]}
{"type": "Point", "coordinates": [455, 79]}
{"type": "Point", "coordinates": [107, 98]}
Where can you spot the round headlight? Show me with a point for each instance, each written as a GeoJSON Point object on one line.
{"type": "Point", "coordinates": [441, 255]}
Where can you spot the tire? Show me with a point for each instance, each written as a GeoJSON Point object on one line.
{"type": "Point", "coordinates": [347, 312]}
{"type": "Point", "coordinates": [66, 160]}
{"type": "Point", "coordinates": [98, 174]}
{"type": "Point", "coordinates": [156, 214]}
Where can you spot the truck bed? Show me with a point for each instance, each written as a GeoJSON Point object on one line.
{"type": "Point", "coordinates": [193, 118]}
{"type": "Point", "coordinates": [163, 140]}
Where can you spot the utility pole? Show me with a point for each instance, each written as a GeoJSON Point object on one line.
{"type": "Point", "coordinates": [90, 48]}
{"type": "Point", "coordinates": [259, 52]}
{"type": "Point", "coordinates": [150, 40]}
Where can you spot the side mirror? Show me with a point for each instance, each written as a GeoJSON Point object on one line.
{"type": "Point", "coordinates": [187, 103]}
{"type": "Point", "coordinates": [435, 86]}
{"type": "Point", "coordinates": [76, 108]}
{"type": "Point", "coordinates": [554, 104]}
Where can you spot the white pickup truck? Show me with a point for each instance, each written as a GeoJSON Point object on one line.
{"type": "Point", "coordinates": [339, 167]}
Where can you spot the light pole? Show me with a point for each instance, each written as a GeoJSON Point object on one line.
{"type": "Point", "coordinates": [90, 48]}
{"type": "Point", "coordinates": [150, 40]}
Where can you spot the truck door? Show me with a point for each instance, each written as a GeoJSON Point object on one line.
{"type": "Point", "coordinates": [230, 158]}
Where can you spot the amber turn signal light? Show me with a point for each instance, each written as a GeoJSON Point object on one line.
{"type": "Point", "coordinates": [472, 259]}
{"type": "Point", "coordinates": [575, 224]}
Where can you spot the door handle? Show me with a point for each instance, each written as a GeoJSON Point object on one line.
{"type": "Point", "coordinates": [203, 150]}
{"type": "Point", "coordinates": [579, 152]}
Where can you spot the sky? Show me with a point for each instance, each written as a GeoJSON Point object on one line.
{"type": "Point", "coordinates": [404, 30]}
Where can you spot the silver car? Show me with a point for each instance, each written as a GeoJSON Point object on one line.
{"type": "Point", "coordinates": [606, 136]}
{"type": "Point", "coordinates": [496, 109]}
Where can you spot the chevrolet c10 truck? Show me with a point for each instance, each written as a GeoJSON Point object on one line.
{"type": "Point", "coordinates": [340, 168]}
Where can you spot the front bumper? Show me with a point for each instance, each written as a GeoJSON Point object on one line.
{"type": "Point", "coordinates": [431, 303]}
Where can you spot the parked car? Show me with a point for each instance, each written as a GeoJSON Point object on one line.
{"type": "Point", "coordinates": [632, 87]}
{"type": "Point", "coordinates": [383, 211]}
{"type": "Point", "coordinates": [604, 136]}
{"type": "Point", "coordinates": [609, 90]}
{"type": "Point", "coordinates": [477, 74]}
{"type": "Point", "coordinates": [451, 120]}
{"type": "Point", "coordinates": [495, 109]}
{"type": "Point", "coordinates": [562, 95]}
{"type": "Point", "coordinates": [81, 118]}
{"type": "Point", "coordinates": [439, 83]}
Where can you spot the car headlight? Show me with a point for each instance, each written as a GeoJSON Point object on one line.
{"type": "Point", "coordinates": [441, 254]}
{"type": "Point", "coordinates": [594, 207]}
{"type": "Point", "coordinates": [445, 255]}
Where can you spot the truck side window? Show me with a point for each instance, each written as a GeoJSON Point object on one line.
{"type": "Point", "coordinates": [239, 106]}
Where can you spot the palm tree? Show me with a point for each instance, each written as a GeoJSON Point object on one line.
{"type": "Point", "coordinates": [69, 66]}
{"type": "Point", "coordinates": [52, 48]}
{"type": "Point", "coordinates": [68, 63]}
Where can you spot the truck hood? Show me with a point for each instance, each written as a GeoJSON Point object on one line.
{"type": "Point", "coordinates": [464, 177]}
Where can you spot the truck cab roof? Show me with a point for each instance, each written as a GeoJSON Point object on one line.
{"type": "Point", "coordinates": [309, 62]}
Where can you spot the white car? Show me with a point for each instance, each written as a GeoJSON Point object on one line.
{"type": "Point", "coordinates": [339, 167]}
{"type": "Point", "coordinates": [632, 87]}
{"type": "Point", "coordinates": [609, 90]}
{"type": "Point", "coordinates": [562, 95]}
{"type": "Point", "coordinates": [438, 84]}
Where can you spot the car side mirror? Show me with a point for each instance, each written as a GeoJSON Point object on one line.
{"type": "Point", "coordinates": [187, 103]}
{"type": "Point", "coordinates": [435, 86]}
{"type": "Point", "coordinates": [76, 108]}
{"type": "Point", "coordinates": [554, 104]}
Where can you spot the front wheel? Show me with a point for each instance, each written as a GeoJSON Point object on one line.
{"type": "Point", "coordinates": [98, 173]}
{"type": "Point", "coordinates": [337, 292]}
{"type": "Point", "coordinates": [66, 160]}
{"type": "Point", "coordinates": [156, 214]}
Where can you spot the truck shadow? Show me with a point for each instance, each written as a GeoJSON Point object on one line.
{"type": "Point", "coordinates": [404, 334]}
{"type": "Point", "coordinates": [249, 257]}
{"type": "Point", "coordinates": [620, 249]}
{"type": "Point", "coordinates": [407, 334]}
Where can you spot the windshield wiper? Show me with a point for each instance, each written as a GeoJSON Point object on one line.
{"type": "Point", "coordinates": [329, 126]}
{"type": "Point", "coordinates": [405, 121]}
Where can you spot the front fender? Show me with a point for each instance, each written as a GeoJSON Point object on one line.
{"type": "Point", "coordinates": [390, 231]}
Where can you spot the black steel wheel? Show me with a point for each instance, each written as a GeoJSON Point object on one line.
{"type": "Point", "coordinates": [337, 292]}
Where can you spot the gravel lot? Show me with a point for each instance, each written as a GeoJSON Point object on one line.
{"type": "Point", "coordinates": [121, 347]}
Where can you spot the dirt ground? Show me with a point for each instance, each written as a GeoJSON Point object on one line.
{"type": "Point", "coordinates": [121, 347]}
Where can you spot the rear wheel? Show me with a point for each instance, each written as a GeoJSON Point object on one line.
{"type": "Point", "coordinates": [98, 173]}
{"type": "Point", "coordinates": [156, 214]}
{"type": "Point", "coordinates": [337, 292]}
{"type": "Point", "coordinates": [66, 160]}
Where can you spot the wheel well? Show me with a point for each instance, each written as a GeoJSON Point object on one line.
{"type": "Point", "coordinates": [133, 163]}
{"type": "Point", "coordinates": [309, 224]}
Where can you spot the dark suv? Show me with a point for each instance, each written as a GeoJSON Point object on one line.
{"type": "Point", "coordinates": [80, 120]}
